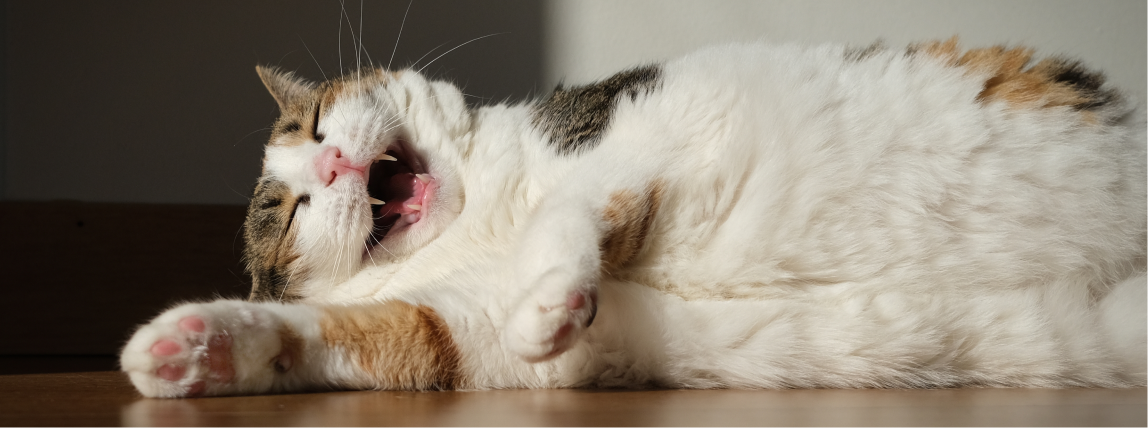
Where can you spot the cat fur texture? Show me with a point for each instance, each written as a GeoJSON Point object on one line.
{"type": "Point", "coordinates": [746, 216]}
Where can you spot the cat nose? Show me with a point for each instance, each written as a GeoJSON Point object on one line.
{"type": "Point", "coordinates": [330, 164]}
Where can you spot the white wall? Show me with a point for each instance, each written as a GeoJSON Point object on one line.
{"type": "Point", "coordinates": [590, 39]}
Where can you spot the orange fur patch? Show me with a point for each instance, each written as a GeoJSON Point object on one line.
{"type": "Point", "coordinates": [401, 345]}
{"type": "Point", "coordinates": [1052, 82]}
{"type": "Point", "coordinates": [628, 216]}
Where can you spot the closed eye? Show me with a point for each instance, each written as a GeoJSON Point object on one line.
{"type": "Point", "coordinates": [302, 200]}
{"type": "Point", "coordinates": [315, 124]}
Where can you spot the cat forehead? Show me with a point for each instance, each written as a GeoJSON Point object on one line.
{"type": "Point", "coordinates": [360, 82]}
{"type": "Point", "coordinates": [297, 120]}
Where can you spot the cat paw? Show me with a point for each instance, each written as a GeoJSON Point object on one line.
{"type": "Point", "coordinates": [544, 325]}
{"type": "Point", "coordinates": [217, 348]}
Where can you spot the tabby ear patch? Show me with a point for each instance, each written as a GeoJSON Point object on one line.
{"type": "Point", "coordinates": [1009, 78]}
{"type": "Point", "coordinates": [284, 86]}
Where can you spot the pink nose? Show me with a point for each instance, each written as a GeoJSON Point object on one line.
{"type": "Point", "coordinates": [330, 164]}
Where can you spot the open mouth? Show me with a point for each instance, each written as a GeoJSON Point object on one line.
{"type": "Point", "coordinates": [399, 189]}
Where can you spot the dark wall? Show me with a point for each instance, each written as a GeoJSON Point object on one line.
{"type": "Point", "coordinates": [158, 101]}
{"type": "Point", "coordinates": [149, 118]}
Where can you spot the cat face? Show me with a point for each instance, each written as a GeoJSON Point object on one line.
{"type": "Point", "coordinates": [358, 172]}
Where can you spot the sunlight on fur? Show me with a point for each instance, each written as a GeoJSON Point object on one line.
{"type": "Point", "coordinates": [745, 216]}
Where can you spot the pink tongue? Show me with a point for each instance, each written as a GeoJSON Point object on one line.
{"type": "Point", "coordinates": [400, 204]}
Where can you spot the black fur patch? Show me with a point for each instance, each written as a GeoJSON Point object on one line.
{"type": "Point", "coordinates": [1086, 82]}
{"type": "Point", "coordinates": [858, 54]}
{"type": "Point", "coordinates": [575, 118]}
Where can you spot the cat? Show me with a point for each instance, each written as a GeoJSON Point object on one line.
{"type": "Point", "coordinates": [745, 216]}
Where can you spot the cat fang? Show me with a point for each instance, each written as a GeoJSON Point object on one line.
{"type": "Point", "coordinates": [400, 194]}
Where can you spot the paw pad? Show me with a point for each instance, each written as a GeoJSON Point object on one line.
{"type": "Point", "coordinates": [165, 348]}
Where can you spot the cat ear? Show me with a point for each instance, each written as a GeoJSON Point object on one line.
{"type": "Point", "coordinates": [283, 85]}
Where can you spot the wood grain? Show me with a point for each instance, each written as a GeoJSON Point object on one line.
{"type": "Point", "coordinates": [106, 399]}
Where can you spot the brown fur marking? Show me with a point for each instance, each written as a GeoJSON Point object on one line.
{"type": "Point", "coordinates": [858, 54]}
{"type": "Point", "coordinates": [401, 345]}
{"type": "Point", "coordinates": [269, 239]}
{"type": "Point", "coordinates": [1052, 82]}
{"type": "Point", "coordinates": [298, 99]}
{"type": "Point", "coordinates": [628, 216]}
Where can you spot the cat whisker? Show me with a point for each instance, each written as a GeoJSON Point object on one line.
{"type": "Point", "coordinates": [287, 284]}
{"type": "Point", "coordinates": [400, 36]}
{"type": "Point", "coordinates": [250, 134]}
{"type": "Point", "coordinates": [340, 40]}
{"type": "Point", "coordinates": [420, 70]}
{"type": "Point", "coordinates": [313, 57]}
{"type": "Point", "coordinates": [425, 55]}
{"type": "Point", "coordinates": [368, 249]}
{"type": "Point", "coordinates": [370, 62]}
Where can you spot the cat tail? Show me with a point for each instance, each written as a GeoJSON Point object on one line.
{"type": "Point", "coordinates": [1124, 316]}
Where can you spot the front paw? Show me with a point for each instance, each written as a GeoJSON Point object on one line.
{"type": "Point", "coordinates": [218, 348]}
{"type": "Point", "coordinates": [549, 321]}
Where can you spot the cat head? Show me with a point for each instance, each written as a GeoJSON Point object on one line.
{"type": "Point", "coordinates": [359, 171]}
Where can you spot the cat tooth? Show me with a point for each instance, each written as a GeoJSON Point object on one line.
{"type": "Point", "coordinates": [374, 201]}
{"type": "Point", "coordinates": [425, 178]}
{"type": "Point", "coordinates": [385, 156]}
{"type": "Point", "coordinates": [415, 207]}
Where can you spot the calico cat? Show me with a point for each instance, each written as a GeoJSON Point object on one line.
{"type": "Point", "coordinates": [746, 216]}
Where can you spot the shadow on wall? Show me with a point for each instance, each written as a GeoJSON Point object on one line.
{"type": "Point", "coordinates": [158, 102]}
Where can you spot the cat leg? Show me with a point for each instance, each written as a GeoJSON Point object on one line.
{"type": "Point", "coordinates": [569, 244]}
{"type": "Point", "coordinates": [233, 347]}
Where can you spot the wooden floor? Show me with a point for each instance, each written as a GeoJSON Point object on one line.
{"type": "Point", "coordinates": [106, 398]}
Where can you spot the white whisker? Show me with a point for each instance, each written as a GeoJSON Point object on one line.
{"type": "Point", "coordinates": [287, 284]}
{"type": "Point", "coordinates": [313, 57]}
{"type": "Point", "coordinates": [428, 53]}
{"type": "Point", "coordinates": [456, 47]}
{"type": "Point", "coordinates": [355, 41]}
{"type": "Point", "coordinates": [401, 26]}
{"type": "Point", "coordinates": [340, 47]}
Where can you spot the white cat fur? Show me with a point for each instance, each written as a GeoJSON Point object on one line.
{"type": "Point", "coordinates": [823, 222]}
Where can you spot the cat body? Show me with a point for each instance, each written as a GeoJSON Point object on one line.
{"type": "Point", "coordinates": [746, 216]}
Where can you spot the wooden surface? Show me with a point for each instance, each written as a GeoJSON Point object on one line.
{"type": "Point", "coordinates": [106, 398]}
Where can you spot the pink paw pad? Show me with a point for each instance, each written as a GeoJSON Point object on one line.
{"type": "Point", "coordinates": [170, 372]}
{"type": "Point", "coordinates": [575, 301]}
{"type": "Point", "coordinates": [165, 347]}
{"type": "Point", "coordinates": [193, 324]}
{"type": "Point", "coordinates": [196, 389]}
{"type": "Point", "coordinates": [219, 358]}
